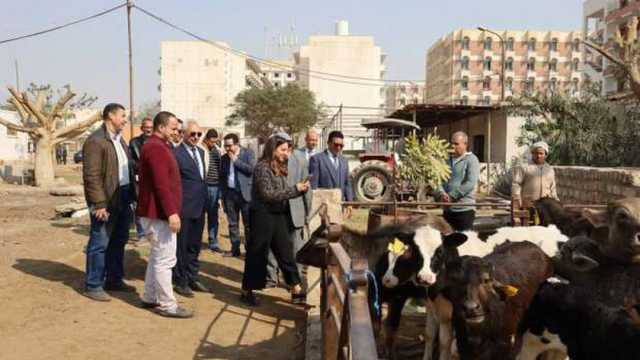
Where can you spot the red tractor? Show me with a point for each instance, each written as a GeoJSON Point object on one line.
{"type": "Point", "coordinates": [373, 180]}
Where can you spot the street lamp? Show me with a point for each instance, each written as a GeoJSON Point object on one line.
{"type": "Point", "coordinates": [502, 60]}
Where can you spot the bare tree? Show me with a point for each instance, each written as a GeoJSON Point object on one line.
{"type": "Point", "coordinates": [625, 54]}
{"type": "Point", "coordinates": [39, 119]}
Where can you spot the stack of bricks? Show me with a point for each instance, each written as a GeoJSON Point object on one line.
{"type": "Point", "coordinates": [589, 185]}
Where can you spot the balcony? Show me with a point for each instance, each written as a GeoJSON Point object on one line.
{"type": "Point", "coordinates": [620, 14]}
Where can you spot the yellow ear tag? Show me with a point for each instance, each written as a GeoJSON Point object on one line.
{"type": "Point", "coordinates": [510, 290]}
{"type": "Point", "coordinates": [396, 247]}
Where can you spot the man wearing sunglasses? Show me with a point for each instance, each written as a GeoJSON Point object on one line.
{"type": "Point", "coordinates": [191, 164]}
{"type": "Point", "coordinates": [330, 170]}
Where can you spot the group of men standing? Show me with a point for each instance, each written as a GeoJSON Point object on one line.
{"type": "Point", "coordinates": [172, 182]}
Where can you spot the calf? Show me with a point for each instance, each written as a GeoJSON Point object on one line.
{"type": "Point", "coordinates": [587, 327]}
{"type": "Point", "coordinates": [490, 296]}
{"type": "Point", "coordinates": [551, 212]}
{"type": "Point", "coordinates": [621, 220]}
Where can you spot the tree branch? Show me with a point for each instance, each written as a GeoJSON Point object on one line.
{"type": "Point", "coordinates": [602, 51]}
{"type": "Point", "coordinates": [30, 107]}
{"type": "Point", "coordinates": [24, 115]}
{"type": "Point", "coordinates": [9, 125]}
{"type": "Point", "coordinates": [62, 102]}
{"type": "Point", "coordinates": [79, 127]}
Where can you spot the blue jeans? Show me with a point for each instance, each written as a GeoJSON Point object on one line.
{"type": "Point", "coordinates": [105, 254]}
{"type": "Point", "coordinates": [213, 205]}
{"type": "Point", "coordinates": [139, 229]}
{"type": "Point", "coordinates": [234, 206]}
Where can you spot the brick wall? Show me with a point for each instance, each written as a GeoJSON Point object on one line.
{"type": "Point", "coordinates": [590, 185]}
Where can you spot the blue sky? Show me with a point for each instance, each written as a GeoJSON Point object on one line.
{"type": "Point", "coordinates": [92, 56]}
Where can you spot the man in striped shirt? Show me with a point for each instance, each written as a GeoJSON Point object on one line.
{"type": "Point", "coordinates": [212, 159]}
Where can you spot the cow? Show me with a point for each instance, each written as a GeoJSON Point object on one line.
{"type": "Point", "coordinates": [490, 296]}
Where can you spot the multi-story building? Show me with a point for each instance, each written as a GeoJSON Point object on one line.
{"type": "Point", "coordinates": [464, 67]}
{"type": "Point", "coordinates": [200, 80]}
{"type": "Point", "coordinates": [345, 70]}
{"type": "Point", "coordinates": [278, 72]}
{"type": "Point", "coordinates": [399, 94]}
{"type": "Point", "coordinates": [601, 20]}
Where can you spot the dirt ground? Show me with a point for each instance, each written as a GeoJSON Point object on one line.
{"type": "Point", "coordinates": [43, 315]}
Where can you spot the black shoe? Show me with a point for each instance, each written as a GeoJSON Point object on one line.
{"type": "Point", "coordinates": [179, 313]}
{"type": "Point", "coordinates": [217, 250]}
{"type": "Point", "coordinates": [299, 299]}
{"type": "Point", "coordinates": [231, 254]}
{"type": "Point", "coordinates": [197, 286]}
{"type": "Point", "coordinates": [119, 286]}
{"type": "Point", "coordinates": [249, 298]}
{"type": "Point", "coordinates": [147, 305]}
{"type": "Point", "coordinates": [97, 295]}
{"type": "Point", "coordinates": [183, 290]}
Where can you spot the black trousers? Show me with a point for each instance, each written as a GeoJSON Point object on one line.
{"type": "Point", "coordinates": [188, 250]}
{"type": "Point", "coordinates": [460, 220]}
{"type": "Point", "coordinates": [268, 231]}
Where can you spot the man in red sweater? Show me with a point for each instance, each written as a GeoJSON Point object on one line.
{"type": "Point", "coordinates": [159, 204]}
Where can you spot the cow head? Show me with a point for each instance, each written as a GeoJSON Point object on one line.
{"type": "Point", "coordinates": [469, 283]}
{"type": "Point", "coordinates": [578, 255]}
{"type": "Point", "coordinates": [622, 219]}
{"type": "Point", "coordinates": [412, 259]}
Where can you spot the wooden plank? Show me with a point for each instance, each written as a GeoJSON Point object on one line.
{"type": "Point", "coordinates": [338, 288]}
{"type": "Point", "coordinates": [341, 255]}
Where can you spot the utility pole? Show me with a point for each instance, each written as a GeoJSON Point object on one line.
{"type": "Point", "coordinates": [129, 6]}
{"type": "Point", "coordinates": [17, 77]}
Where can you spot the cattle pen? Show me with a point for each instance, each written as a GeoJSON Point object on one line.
{"type": "Point", "coordinates": [347, 322]}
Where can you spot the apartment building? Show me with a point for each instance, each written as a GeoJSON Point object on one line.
{"type": "Point", "coordinates": [399, 94]}
{"type": "Point", "coordinates": [600, 21]}
{"type": "Point", "coordinates": [464, 67]}
{"type": "Point", "coordinates": [347, 70]}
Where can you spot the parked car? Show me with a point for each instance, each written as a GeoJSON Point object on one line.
{"type": "Point", "coordinates": [77, 157]}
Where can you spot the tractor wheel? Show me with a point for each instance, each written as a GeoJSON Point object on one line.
{"type": "Point", "coordinates": [373, 181]}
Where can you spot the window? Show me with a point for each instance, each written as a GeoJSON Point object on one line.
{"type": "Point", "coordinates": [576, 45]}
{"type": "Point", "coordinates": [465, 100]}
{"type": "Point", "coordinates": [487, 63]}
{"type": "Point", "coordinates": [487, 43]}
{"type": "Point", "coordinates": [276, 75]}
{"type": "Point", "coordinates": [486, 84]}
{"type": "Point", "coordinates": [624, 3]}
{"type": "Point", "coordinates": [553, 65]}
{"type": "Point", "coordinates": [529, 85]}
{"type": "Point", "coordinates": [531, 65]}
{"type": "Point", "coordinates": [510, 44]}
{"type": "Point", "coordinates": [553, 46]}
{"type": "Point", "coordinates": [289, 75]}
{"type": "Point", "coordinates": [574, 86]}
{"type": "Point", "coordinates": [478, 147]}
{"type": "Point", "coordinates": [508, 65]}
{"type": "Point", "coordinates": [553, 85]}
{"type": "Point", "coordinates": [277, 85]}
{"type": "Point", "coordinates": [465, 43]}
{"type": "Point", "coordinates": [487, 100]}
{"type": "Point", "coordinates": [464, 64]}
{"type": "Point", "coordinates": [509, 84]}
{"type": "Point", "coordinates": [575, 64]}
{"type": "Point", "coordinates": [465, 83]}
{"type": "Point", "coordinates": [532, 44]}
{"type": "Point", "coordinates": [403, 102]}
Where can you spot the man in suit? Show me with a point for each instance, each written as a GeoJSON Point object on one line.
{"type": "Point", "coordinates": [135, 148]}
{"type": "Point", "coordinates": [236, 171]}
{"type": "Point", "coordinates": [176, 138]}
{"type": "Point", "coordinates": [190, 158]}
{"type": "Point", "coordinates": [311, 141]}
{"type": "Point", "coordinates": [330, 170]}
{"type": "Point", "coordinates": [109, 189]}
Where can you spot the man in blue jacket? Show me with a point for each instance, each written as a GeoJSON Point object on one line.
{"type": "Point", "coordinates": [330, 170]}
{"type": "Point", "coordinates": [461, 187]}
{"type": "Point", "coordinates": [236, 171]}
{"type": "Point", "coordinates": [190, 159]}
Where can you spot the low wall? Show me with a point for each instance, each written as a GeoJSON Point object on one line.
{"type": "Point", "coordinates": [590, 185]}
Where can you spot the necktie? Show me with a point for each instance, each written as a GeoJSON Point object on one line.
{"type": "Point", "coordinates": [195, 158]}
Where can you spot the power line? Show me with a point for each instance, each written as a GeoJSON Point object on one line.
{"type": "Point", "coordinates": [271, 63]}
{"type": "Point", "coordinates": [62, 26]}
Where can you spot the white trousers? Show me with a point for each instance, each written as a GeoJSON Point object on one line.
{"type": "Point", "coordinates": [158, 287]}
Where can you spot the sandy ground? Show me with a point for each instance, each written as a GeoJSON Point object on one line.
{"type": "Point", "coordinates": [43, 316]}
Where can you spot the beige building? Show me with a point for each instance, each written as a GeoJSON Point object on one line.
{"type": "Point", "coordinates": [199, 81]}
{"type": "Point", "coordinates": [400, 94]}
{"type": "Point", "coordinates": [359, 64]}
{"type": "Point", "coordinates": [278, 72]}
{"type": "Point", "coordinates": [600, 21]}
{"type": "Point", "coordinates": [464, 67]}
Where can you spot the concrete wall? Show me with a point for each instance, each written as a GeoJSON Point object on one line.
{"type": "Point", "coordinates": [596, 185]}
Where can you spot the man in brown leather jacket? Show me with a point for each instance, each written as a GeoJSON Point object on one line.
{"type": "Point", "coordinates": [109, 190]}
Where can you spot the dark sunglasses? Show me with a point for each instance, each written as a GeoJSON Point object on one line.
{"type": "Point", "coordinates": [180, 131]}
{"type": "Point", "coordinates": [193, 133]}
{"type": "Point", "coordinates": [338, 145]}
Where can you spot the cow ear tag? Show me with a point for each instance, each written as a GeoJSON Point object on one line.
{"type": "Point", "coordinates": [397, 247]}
{"type": "Point", "coordinates": [510, 291]}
